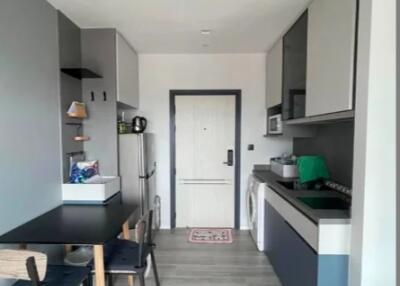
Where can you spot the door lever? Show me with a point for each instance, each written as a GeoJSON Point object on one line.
{"type": "Point", "coordinates": [229, 161]}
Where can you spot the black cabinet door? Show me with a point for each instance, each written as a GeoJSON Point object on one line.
{"type": "Point", "coordinates": [294, 69]}
{"type": "Point", "coordinates": [294, 261]}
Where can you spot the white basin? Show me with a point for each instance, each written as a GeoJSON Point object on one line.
{"type": "Point", "coordinates": [95, 190]}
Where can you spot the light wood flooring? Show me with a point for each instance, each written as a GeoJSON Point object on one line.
{"type": "Point", "coordinates": [181, 263]}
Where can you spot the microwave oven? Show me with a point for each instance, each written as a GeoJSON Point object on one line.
{"type": "Point", "coordinates": [274, 122]}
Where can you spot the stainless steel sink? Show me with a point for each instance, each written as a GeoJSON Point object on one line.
{"type": "Point", "coordinates": [295, 185]}
{"type": "Point", "coordinates": [325, 203]}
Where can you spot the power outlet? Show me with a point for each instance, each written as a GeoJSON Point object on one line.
{"type": "Point", "coordinates": [250, 147]}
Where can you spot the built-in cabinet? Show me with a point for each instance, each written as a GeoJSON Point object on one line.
{"type": "Point", "coordinates": [330, 56]}
{"type": "Point", "coordinates": [127, 73]}
{"type": "Point", "coordinates": [294, 261]}
{"type": "Point", "coordinates": [278, 72]}
{"type": "Point", "coordinates": [274, 75]}
{"type": "Point", "coordinates": [301, 251]}
{"type": "Point", "coordinates": [294, 69]}
{"type": "Point", "coordinates": [312, 66]}
{"type": "Point", "coordinates": [98, 54]}
{"type": "Point", "coordinates": [105, 52]}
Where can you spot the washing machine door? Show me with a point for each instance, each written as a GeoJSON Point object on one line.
{"type": "Point", "coordinates": [252, 202]}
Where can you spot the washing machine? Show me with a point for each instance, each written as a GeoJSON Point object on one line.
{"type": "Point", "coordinates": [256, 210]}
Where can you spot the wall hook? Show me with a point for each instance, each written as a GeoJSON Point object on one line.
{"type": "Point", "coordinates": [92, 95]}
{"type": "Point", "coordinates": [104, 96]}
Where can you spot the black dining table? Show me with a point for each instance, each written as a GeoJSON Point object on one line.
{"type": "Point", "coordinates": [77, 225]}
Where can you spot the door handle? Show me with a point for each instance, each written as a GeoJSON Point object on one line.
{"type": "Point", "coordinates": [229, 161]}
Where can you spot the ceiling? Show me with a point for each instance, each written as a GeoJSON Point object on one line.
{"type": "Point", "coordinates": [173, 26]}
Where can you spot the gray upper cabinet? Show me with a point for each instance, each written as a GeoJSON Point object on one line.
{"type": "Point", "coordinates": [294, 69]}
{"type": "Point", "coordinates": [330, 56]}
{"type": "Point", "coordinates": [127, 73]}
{"type": "Point", "coordinates": [274, 75]}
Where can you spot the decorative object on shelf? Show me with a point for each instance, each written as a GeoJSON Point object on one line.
{"type": "Point", "coordinates": [122, 126]}
{"type": "Point", "coordinates": [82, 171]}
{"type": "Point", "coordinates": [81, 138]}
{"type": "Point", "coordinates": [80, 73]}
{"type": "Point", "coordinates": [77, 110]}
{"type": "Point", "coordinates": [78, 136]}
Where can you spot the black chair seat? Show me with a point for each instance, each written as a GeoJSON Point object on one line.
{"type": "Point", "coordinates": [60, 275]}
{"type": "Point", "coordinates": [122, 256]}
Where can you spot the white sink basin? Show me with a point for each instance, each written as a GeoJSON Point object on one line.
{"type": "Point", "coordinates": [95, 190]}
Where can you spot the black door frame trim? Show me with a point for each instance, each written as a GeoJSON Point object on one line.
{"type": "Point", "coordinates": [238, 118]}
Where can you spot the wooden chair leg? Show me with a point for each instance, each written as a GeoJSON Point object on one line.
{"type": "Point", "coordinates": [154, 265]}
{"type": "Point", "coordinates": [131, 280]}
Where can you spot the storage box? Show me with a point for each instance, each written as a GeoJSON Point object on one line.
{"type": "Point", "coordinates": [284, 170]}
{"type": "Point", "coordinates": [96, 190]}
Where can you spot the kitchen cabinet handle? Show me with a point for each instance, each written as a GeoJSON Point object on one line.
{"type": "Point", "coordinates": [205, 182]}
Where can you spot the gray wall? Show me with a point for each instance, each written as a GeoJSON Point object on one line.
{"type": "Point", "coordinates": [335, 143]}
{"type": "Point", "coordinates": [30, 156]}
{"type": "Point", "coordinates": [70, 88]}
{"type": "Point", "coordinates": [99, 55]}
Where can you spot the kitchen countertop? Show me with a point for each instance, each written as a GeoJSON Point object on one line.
{"type": "Point", "coordinates": [318, 216]}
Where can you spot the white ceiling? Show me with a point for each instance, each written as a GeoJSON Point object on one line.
{"type": "Point", "coordinates": [173, 26]}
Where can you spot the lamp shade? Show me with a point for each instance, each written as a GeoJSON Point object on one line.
{"type": "Point", "coordinates": [77, 110]}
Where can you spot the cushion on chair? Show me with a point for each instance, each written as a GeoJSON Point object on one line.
{"type": "Point", "coordinates": [59, 275]}
{"type": "Point", "coordinates": [122, 256]}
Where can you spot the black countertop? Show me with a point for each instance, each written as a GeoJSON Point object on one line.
{"type": "Point", "coordinates": [318, 216]}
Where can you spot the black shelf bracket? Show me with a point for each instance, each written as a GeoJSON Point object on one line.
{"type": "Point", "coordinates": [80, 73]}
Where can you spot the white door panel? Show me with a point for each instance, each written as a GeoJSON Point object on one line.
{"type": "Point", "coordinates": [205, 131]}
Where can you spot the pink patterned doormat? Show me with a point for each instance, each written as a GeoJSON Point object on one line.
{"type": "Point", "coordinates": [211, 235]}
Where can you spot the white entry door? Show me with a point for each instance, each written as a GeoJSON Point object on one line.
{"type": "Point", "coordinates": [205, 138]}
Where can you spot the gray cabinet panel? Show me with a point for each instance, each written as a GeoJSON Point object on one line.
{"type": "Point", "coordinates": [294, 63]}
{"type": "Point", "coordinates": [293, 259]}
{"type": "Point", "coordinates": [69, 37]}
{"type": "Point", "coordinates": [98, 54]}
{"type": "Point", "coordinates": [274, 75]}
{"type": "Point", "coordinates": [127, 73]}
{"type": "Point", "coordinates": [333, 270]}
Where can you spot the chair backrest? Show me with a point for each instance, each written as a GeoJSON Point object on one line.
{"type": "Point", "coordinates": [22, 264]}
{"type": "Point", "coordinates": [144, 234]}
{"type": "Point", "coordinates": [143, 228]}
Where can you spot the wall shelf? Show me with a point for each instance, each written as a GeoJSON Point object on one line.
{"type": "Point", "coordinates": [79, 137]}
{"type": "Point", "coordinates": [80, 73]}
{"type": "Point", "coordinates": [323, 119]}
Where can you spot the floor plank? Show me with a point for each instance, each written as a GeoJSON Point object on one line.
{"type": "Point", "coordinates": [181, 263]}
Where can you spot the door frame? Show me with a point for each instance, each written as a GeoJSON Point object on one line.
{"type": "Point", "coordinates": [238, 118]}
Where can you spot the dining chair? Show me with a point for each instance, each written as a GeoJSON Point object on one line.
{"type": "Point", "coordinates": [126, 257]}
{"type": "Point", "coordinates": [30, 269]}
